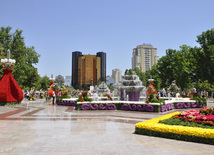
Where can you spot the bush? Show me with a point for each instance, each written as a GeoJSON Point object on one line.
{"type": "Point", "coordinates": [172, 121]}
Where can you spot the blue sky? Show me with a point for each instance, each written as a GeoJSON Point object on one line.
{"type": "Point", "coordinates": [56, 28]}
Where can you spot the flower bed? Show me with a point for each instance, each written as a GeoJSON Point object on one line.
{"type": "Point", "coordinates": [131, 105]}
{"type": "Point", "coordinates": [98, 107]}
{"type": "Point", "coordinates": [67, 103]}
{"type": "Point", "coordinates": [154, 128]}
{"type": "Point", "coordinates": [204, 116]}
{"type": "Point", "coordinates": [123, 105]}
{"type": "Point", "coordinates": [84, 97]}
{"type": "Point", "coordinates": [183, 105]}
{"type": "Point", "coordinates": [167, 107]}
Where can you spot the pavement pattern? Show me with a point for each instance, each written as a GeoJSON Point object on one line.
{"type": "Point", "coordinates": [38, 127]}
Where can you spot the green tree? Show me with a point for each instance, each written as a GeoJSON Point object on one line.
{"type": "Point", "coordinates": [155, 75]}
{"type": "Point", "coordinates": [183, 66]}
{"type": "Point", "coordinates": [205, 85]}
{"type": "Point", "coordinates": [44, 83]}
{"type": "Point", "coordinates": [2, 56]}
{"type": "Point", "coordinates": [24, 72]}
{"type": "Point", "coordinates": [144, 77]}
{"type": "Point", "coordinates": [165, 67]}
{"type": "Point", "coordinates": [141, 75]}
{"type": "Point", "coordinates": [177, 65]}
{"type": "Point", "coordinates": [5, 37]}
{"type": "Point", "coordinates": [32, 78]}
{"type": "Point", "coordinates": [206, 55]}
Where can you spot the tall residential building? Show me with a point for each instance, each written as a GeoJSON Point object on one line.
{"type": "Point", "coordinates": [116, 75]}
{"type": "Point", "coordinates": [88, 69]}
{"type": "Point", "coordinates": [144, 57]}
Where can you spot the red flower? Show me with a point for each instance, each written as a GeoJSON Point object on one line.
{"type": "Point", "coordinates": [176, 116]}
{"type": "Point", "coordinates": [82, 100]}
{"type": "Point", "coordinates": [84, 92]}
{"type": "Point", "coordinates": [147, 101]}
{"type": "Point", "coordinates": [186, 119]}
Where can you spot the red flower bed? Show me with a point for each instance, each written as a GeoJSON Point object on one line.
{"type": "Point", "coordinates": [202, 116]}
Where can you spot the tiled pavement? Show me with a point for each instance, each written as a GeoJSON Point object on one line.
{"type": "Point", "coordinates": [37, 127]}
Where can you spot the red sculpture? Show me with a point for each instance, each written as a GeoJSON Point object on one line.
{"type": "Point", "coordinates": [10, 91]}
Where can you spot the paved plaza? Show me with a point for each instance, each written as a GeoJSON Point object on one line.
{"type": "Point", "coordinates": [38, 127]}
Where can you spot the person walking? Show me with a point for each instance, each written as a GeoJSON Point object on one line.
{"type": "Point", "coordinates": [53, 96]}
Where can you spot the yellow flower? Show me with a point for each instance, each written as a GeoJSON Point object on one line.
{"type": "Point", "coordinates": [154, 125]}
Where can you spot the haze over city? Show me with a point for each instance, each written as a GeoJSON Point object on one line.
{"type": "Point", "coordinates": [57, 28]}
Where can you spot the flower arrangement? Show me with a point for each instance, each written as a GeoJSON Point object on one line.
{"type": "Point", "coordinates": [207, 111]}
{"type": "Point", "coordinates": [152, 94]}
{"type": "Point", "coordinates": [108, 95]}
{"type": "Point", "coordinates": [151, 90]}
{"type": "Point", "coordinates": [186, 94]}
{"type": "Point", "coordinates": [82, 100]}
{"type": "Point", "coordinates": [197, 97]}
{"type": "Point", "coordinates": [84, 97]}
{"type": "Point", "coordinates": [154, 98]}
{"type": "Point", "coordinates": [32, 97]}
{"type": "Point", "coordinates": [41, 95]}
{"type": "Point", "coordinates": [65, 94]}
{"type": "Point", "coordinates": [75, 93]}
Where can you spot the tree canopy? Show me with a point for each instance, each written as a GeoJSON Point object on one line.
{"type": "Point", "coordinates": [24, 71]}
{"type": "Point", "coordinates": [189, 66]}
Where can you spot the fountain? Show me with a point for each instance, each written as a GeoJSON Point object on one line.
{"type": "Point", "coordinates": [102, 88]}
{"type": "Point", "coordinates": [130, 86]}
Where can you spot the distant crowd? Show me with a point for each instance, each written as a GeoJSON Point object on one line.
{"type": "Point", "coordinates": [32, 92]}
{"type": "Point", "coordinates": [203, 93]}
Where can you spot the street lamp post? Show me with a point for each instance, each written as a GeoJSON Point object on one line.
{"type": "Point", "coordinates": [8, 63]}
